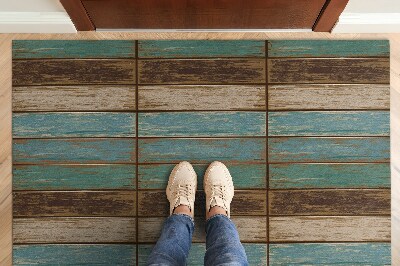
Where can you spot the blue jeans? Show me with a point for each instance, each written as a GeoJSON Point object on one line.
{"type": "Point", "coordinates": [223, 245]}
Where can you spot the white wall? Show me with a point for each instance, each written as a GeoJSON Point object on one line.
{"type": "Point", "coordinates": [34, 16]}
{"type": "Point", "coordinates": [369, 16]}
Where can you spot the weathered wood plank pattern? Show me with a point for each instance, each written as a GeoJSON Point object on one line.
{"type": "Point", "coordinates": [335, 175]}
{"type": "Point", "coordinates": [74, 254]}
{"type": "Point", "coordinates": [313, 149]}
{"type": "Point", "coordinates": [332, 96]}
{"type": "Point", "coordinates": [329, 228]}
{"type": "Point", "coordinates": [74, 177]}
{"type": "Point", "coordinates": [155, 176]}
{"type": "Point", "coordinates": [329, 123]}
{"type": "Point", "coordinates": [24, 49]}
{"type": "Point", "coordinates": [76, 124]}
{"type": "Point", "coordinates": [330, 254]}
{"type": "Point", "coordinates": [200, 48]}
{"type": "Point", "coordinates": [328, 48]}
{"type": "Point", "coordinates": [202, 124]}
{"type": "Point", "coordinates": [70, 72]}
{"type": "Point", "coordinates": [251, 229]}
{"type": "Point", "coordinates": [74, 98]}
{"type": "Point", "coordinates": [201, 71]}
{"type": "Point", "coordinates": [74, 230]}
{"type": "Point", "coordinates": [202, 97]}
{"type": "Point", "coordinates": [73, 150]}
{"type": "Point", "coordinates": [202, 150]}
{"type": "Point", "coordinates": [245, 202]}
{"type": "Point", "coordinates": [256, 254]}
{"type": "Point", "coordinates": [74, 203]}
{"type": "Point", "coordinates": [329, 202]}
{"type": "Point", "coordinates": [331, 71]}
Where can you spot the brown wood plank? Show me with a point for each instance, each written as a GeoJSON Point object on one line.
{"type": "Point", "coordinates": [329, 15]}
{"type": "Point", "coordinates": [245, 202]}
{"type": "Point", "coordinates": [74, 98]}
{"type": "Point", "coordinates": [74, 203]}
{"type": "Point", "coordinates": [328, 228]}
{"type": "Point", "coordinates": [204, 14]}
{"type": "Point", "coordinates": [201, 71]}
{"type": "Point", "coordinates": [73, 71]}
{"type": "Point", "coordinates": [329, 202]}
{"type": "Point", "coordinates": [202, 97]}
{"type": "Point", "coordinates": [251, 229]}
{"type": "Point", "coordinates": [74, 230]}
{"type": "Point", "coordinates": [336, 70]}
{"type": "Point", "coordinates": [78, 15]}
{"type": "Point", "coordinates": [306, 97]}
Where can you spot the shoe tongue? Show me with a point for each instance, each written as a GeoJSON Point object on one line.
{"type": "Point", "coordinates": [182, 201]}
{"type": "Point", "coordinates": [217, 201]}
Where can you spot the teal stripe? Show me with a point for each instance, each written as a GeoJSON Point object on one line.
{"type": "Point", "coordinates": [196, 124]}
{"type": "Point", "coordinates": [74, 151]}
{"type": "Point", "coordinates": [202, 150]}
{"type": "Point", "coordinates": [201, 48]}
{"type": "Point", "coordinates": [325, 123]}
{"type": "Point", "coordinates": [73, 177]}
{"type": "Point", "coordinates": [82, 124]}
{"type": "Point", "coordinates": [371, 149]}
{"type": "Point", "coordinates": [244, 175]}
{"type": "Point", "coordinates": [73, 49]}
{"type": "Point", "coordinates": [74, 254]}
{"type": "Point", "coordinates": [330, 254]}
{"type": "Point", "coordinates": [282, 176]}
{"type": "Point", "coordinates": [256, 254]}
{"type": "Point", "coordinates": [328, 48]}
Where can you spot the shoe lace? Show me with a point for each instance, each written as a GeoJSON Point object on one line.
{"type": "Point", "coordinates": [183, 190]}
{"type": "Point", "coordinates": [218, 191]}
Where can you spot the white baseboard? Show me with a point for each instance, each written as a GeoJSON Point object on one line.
{"type": "Point", "coordinates": [368, 23]}
{"type": "Point", "coordinates": [36, 22]}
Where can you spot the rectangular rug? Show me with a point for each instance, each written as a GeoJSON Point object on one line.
{"type": "Point", "coordinates": [303, 127]}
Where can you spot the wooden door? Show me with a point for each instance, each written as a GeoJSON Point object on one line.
{"type": "Point", "coordinates": [319, 15]}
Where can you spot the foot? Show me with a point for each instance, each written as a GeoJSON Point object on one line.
{"type": "Point", "coordinates": [218, 186]}
{"type": "Point", "coordinates": [181, 189]}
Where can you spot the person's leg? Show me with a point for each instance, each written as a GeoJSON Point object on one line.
{"type": "Point", "coordinates": [173, 246]}
{"type": "Point", "coordinates": [223, 245]}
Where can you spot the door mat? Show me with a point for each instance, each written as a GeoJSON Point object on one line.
{"type": "Point", "coordinates": [303, 127]}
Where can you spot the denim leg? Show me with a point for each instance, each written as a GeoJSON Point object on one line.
{"type": "Point", "coordinates": [223, 243]}
{"type": "Point", "coordinates": [173, 246]}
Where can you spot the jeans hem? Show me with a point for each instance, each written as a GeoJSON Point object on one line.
{"type": "Point", "coordinates": [216, 215]}
{"type": "Point", "coordinates": [185, 215]}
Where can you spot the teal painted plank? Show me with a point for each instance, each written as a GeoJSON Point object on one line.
{"type": "Point", "coordinates": [303, 149]}
{"type": "Point", "coordinates": [256, 254]}
{"type": "Point", "coordinates": [73, 177]}
{"type": "Point", "coordinates": [201, 48]}
{"type": "Point", "coordinates": [74, 254]}
{"type": "Point", "coordinates": [326, 123]}
{"type": "Point", "coordinates": [328, 48]}
{"type": "Point", "coordinates": [244, 175]}
{"type": "Point", "coordinates": [282, 176]}
{"type": "Point", "coordinates": [73, 150]}
{"type": "Point", "coordinates": [199, 124]}
{"type": "Point", "coordinates": [73, 49]}
{"type": "Point", "coordinates": [330, 254]}
{"type": "Point", "coordinates": [81, 124]}
{"type": "Point", "coordinates": [202, 150]}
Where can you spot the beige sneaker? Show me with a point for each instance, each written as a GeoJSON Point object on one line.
{"type": "Point", "coordinates": [182, 185]}
{"type": "Point", "coordinates": [218, 186]}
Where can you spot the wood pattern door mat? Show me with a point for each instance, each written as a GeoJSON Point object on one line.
{"type": "Point", "coordinates": [302, 125]}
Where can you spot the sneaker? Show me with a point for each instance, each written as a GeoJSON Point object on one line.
{"type": "Point", "coordinates": [218, 186]}
{"type": "Point", "coordinates": [182, 185]}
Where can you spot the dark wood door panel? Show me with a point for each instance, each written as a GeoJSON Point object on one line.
{"type": "Point", "coordinates": [204, 14]}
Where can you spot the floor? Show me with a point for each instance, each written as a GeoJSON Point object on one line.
{"type": "Point", "coordinates": [159, 147]}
